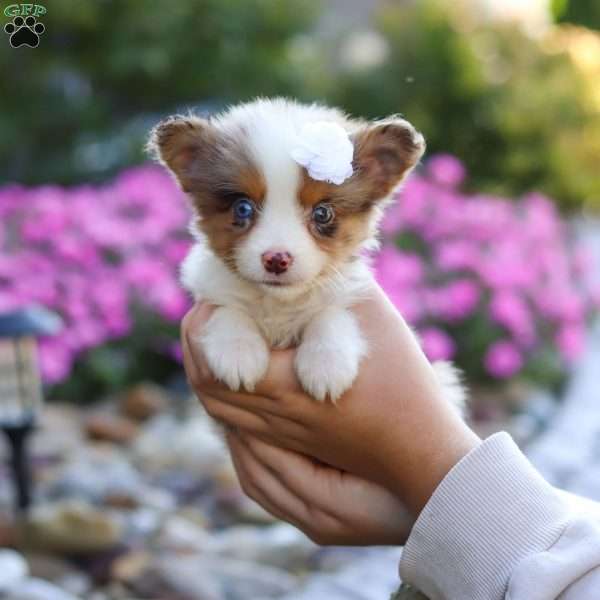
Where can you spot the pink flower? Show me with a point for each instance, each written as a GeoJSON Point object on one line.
{"type": "Point", "coordinates": [454, 301]}
{"type": "Point", "coordinates": [437, 344]}
{"type": "Point", "coordinates": [509, 310]}
{"type": "Point", "coordinates": [570, 340]}
{"type": "Point", "coordinates": [55, 360]}
{"type": "Point", "coordinates": [394, 268]}
{"type": "Point", "coordinates": [503, 360]}
{"type": "Point", "coordinates": [457, 255]}
{"type": "Point", "coordinates": [446, 169]}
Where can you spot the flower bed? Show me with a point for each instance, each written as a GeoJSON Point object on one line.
{"type": "Point", "coordinates": [105, 258]}
{"type": "Point", "coordinates": [498, 285]}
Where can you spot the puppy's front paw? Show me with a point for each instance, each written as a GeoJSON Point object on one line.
{"type": "Point", "coordinates": [326, 370]}
{"type": "Point", "coordinates": [236, 353]}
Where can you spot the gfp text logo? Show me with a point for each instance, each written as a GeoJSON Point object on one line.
{"type": "Point", "coordinates": [24, 29]}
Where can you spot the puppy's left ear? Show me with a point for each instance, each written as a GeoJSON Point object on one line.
{"type": "Point", "coordinates": [384, 153]}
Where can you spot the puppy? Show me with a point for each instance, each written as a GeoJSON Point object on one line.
{"type": "Point", "coordinates": [286, 199]}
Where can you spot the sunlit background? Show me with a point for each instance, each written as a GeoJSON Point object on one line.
{"type": "Point", "coordinates": [492, 253]}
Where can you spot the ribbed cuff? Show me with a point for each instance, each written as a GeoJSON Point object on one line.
{"type": "Point", "coordinates": [492, 510]}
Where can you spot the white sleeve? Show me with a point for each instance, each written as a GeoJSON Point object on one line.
{"type": "Point", "coordinates": [495, 529]}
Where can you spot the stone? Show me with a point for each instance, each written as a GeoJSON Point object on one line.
{"type": "Point", "coordinates": [59, 433]}
{"type": "Point", "coordinates": [131, 567]}
{"type": "Point", "coordinates": [144, 401]}
{"type": "Point", "coordinates": [95, 473]}
{"type": "Point", "coordinates": [167, 443]}
{"type": "Point", "coordinates": [47, 566]}
{"type": "Point", "coordinates": [179, 534]}
{"type": "Point", "coordinates": [203, 577]}
{"type": "Point", "coordinates": [13, 568]}
{"type": "Point", "coordinates": [72, 527]}
{"type": "Point", "coordinates": [110, 428]}
{"type": "Point", "coordinates": [279, 545]}
{"type": "Point", "coordinates": [8, 532]}
{"type": "Point", "coordinates": [38, 589]}
{"type": "Point", "coordinates": [76, 583]}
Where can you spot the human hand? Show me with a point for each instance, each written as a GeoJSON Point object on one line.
{"type": "Point", "coordinates": [331, 507]}
{"type": "Point", "coordinates": [393, 427]}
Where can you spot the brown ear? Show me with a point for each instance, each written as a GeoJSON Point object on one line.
{"type": "Point", "coordinates": [385, 152]}
{"type": "Point", "coordinates": [182, 144]}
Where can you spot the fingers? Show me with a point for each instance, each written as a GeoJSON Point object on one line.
{"type": "Point", "coordinates": [267, 426]}
{"type": "Point", "coordinates": [261, 485]}
{"type": "Point", "coordinates": [293, 470]}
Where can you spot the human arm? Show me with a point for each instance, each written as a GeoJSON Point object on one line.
{"type": "Point", "coordinates": [394, 427]}
{"type": "Point", "coordinates": [487, 526]}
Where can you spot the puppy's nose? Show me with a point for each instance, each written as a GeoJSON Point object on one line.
{"type": "Point", "coordinates": [277, 261]}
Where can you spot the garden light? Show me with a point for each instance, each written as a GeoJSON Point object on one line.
{"type": "Point", "coordinates": [20, 386]}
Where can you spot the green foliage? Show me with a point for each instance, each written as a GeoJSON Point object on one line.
{"type": "Point", "coordinates": [579, 12]}
{"type": "Point", "coordinates": [513, 111]}
{"type": "Point", "coordinates": [113, 366]}
{"type": "Point", "coordinates": [78, 106]}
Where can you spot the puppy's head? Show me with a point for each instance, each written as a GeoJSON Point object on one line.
{"type": "Point", "coordinates": [268, 220]}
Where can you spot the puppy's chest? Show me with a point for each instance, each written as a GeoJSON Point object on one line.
{"type": "Point", "coordinates": [281, 323]}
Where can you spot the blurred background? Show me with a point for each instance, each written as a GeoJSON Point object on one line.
{"type": "Point", "coordinates": [492, 252]}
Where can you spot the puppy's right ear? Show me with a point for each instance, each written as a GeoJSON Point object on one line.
{"type": "Point", "coordinates": [182, 144]}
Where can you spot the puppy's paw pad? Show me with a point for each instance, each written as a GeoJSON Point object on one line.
{"type": "Point", "coordinates": [237, 362]}
{"type": "Point", "coordinates": [326, 371]}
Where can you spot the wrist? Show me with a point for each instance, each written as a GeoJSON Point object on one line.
{"type": "Point", "coordinates": [420, 466]}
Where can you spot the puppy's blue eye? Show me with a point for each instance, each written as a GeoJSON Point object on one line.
{"type": "Point", "coordinates": [322, 214]}
{"type": "Point", "coordinates": [243, 209]}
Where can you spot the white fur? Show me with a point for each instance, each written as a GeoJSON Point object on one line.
{"type": "Point", "coordinates": [328, 358]}
{"type": "Point", "coordinates": [316, 317]}
{"type": "Point", "coordinates": [312, 310]}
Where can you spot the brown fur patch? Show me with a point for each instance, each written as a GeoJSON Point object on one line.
{"type": "Point", "coordinates": [384, 154]}
{"type": "Point", "coordinates": [352, 207]}
{"type": "Point", "coordinates": [215, 170]}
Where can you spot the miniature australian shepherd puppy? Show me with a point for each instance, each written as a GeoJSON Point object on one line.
{"type": "Point", "coordinates": [286, 198]}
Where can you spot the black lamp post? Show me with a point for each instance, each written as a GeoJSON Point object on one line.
{"type": "Point", "coordinates": [20, 387]}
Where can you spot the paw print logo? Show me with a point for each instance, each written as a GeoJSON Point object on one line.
{"type": "Point", "coordinates": [24, 32]}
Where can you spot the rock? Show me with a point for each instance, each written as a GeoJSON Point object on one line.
{"type": "Point", "coordinates": [72, 527]}
{"type": "Point", "coordinates": [131, 567]}
{"type": "Point", "coordinates": [46, 566]}
{"type": "Point", "coordinates": [8, 532]}
{"type": "Point", "coordinates": [199, 577]}
{"type": "Point", "coordinates": [143, 401]}
{"type": "Point", "coordinates": [13, 568]}
{"type": "Point", "coordinates": [110, 428]}
{"type": "Point", "coordinates": [59, 572]}
{"type": "Point", "coordinates": [182, 535]}
{"type": "Point", "coordinates": [279, 545]}
{"type": "Point", "coordinates": [372, 576]}
{"type": "Point", "coordinates": [59, 433]}
{"type": "Point", "coordinates": [76, 583]}
{"type": "Point", "coordinates": [95, 473]}
{"type": "Point", "coordinates": [38, 589]}
{"type": "Point", "coordinates": [121, 500]}
{"type": "Point", "coordinates": [169, 444]}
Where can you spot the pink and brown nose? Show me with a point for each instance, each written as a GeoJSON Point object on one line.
{"type": "Point", "coordinates": [276, 261]}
